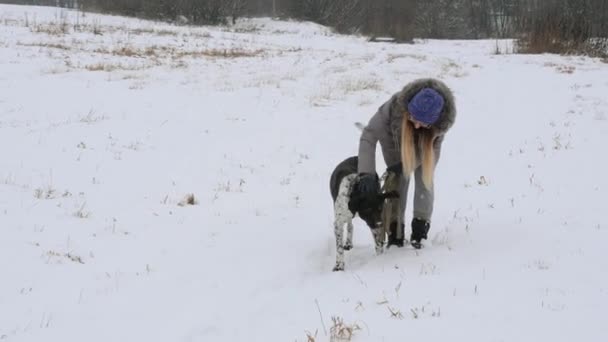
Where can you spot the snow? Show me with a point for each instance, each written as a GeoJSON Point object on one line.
{"type": "Point", "coordinates": [103, 135]}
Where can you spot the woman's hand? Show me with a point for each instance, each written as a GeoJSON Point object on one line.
{"type": "Point", "coordinates": [395, 168]}
{"type": "Point", "coordinates": [368, 184]}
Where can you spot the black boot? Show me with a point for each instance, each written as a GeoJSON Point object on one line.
{"type": "Point", "coordinates": [420, 229]}
{"type": "Point", "coordinates": [392, 235]}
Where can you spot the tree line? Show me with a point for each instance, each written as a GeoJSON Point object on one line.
{"type": "Point", "coordinates": [542, 24]}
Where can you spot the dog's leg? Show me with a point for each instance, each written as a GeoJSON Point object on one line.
{"type": "Point", "coordinates": [339, 232]}
{"type": "Point", "coordinates": [378, 240]}
{"type": "Point", "coordinates": [342, 216]}
{"type": "Point", "coordinates": [349, 235]}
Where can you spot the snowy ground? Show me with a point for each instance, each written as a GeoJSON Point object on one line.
{"type": "Point", "coordinates": [107, 123]}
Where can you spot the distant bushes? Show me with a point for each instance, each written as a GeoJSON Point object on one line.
{"type": "Point", "coordinates": [555, 26]}
{"type": "Point", "coordinates": [565, 27]}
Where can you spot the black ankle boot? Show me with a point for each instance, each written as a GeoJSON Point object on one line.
{"type": "Point", "coordinates": [420, 229]}
{"type": "Point", "coordinates": [392, 235]}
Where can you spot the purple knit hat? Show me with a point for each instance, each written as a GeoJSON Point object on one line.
{"type": "Point", "coordinates": [426, 106]}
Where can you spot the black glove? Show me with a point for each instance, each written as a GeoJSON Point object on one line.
{"type": "Point", "coordinates": [395, 168]}
{"type": "Point", "coordinates": [368, 184]}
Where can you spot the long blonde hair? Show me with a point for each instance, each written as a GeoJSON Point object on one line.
{"type": "Point", "coordinates": [409, 157]}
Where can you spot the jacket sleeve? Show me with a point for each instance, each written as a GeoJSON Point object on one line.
{"type": "Point", "coordinates": [375, 130]}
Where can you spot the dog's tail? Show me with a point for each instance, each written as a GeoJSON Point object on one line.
{"type": "Point", "coordinates": [360, 126]}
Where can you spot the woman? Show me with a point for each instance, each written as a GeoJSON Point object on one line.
{"type": "Point", "coordinates": [410, 127]}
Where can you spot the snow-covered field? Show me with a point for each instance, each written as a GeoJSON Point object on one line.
{"type": "Point", "coordinates": [107, 124]}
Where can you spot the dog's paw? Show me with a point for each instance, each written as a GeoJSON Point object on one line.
{"type": "Point", "coordinates": [339, 267]}
{"type": "Point", "coordinates": [348, 246]}
{"type": "Point", "coordinates": [379, 250]}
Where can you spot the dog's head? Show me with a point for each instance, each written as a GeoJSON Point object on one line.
{"type": "Point", "coordinates": [369, 206]}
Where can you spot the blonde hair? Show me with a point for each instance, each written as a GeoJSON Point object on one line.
{"type": "Point", "coordinates": [409, 157]}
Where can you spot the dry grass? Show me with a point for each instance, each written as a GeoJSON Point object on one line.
{"type": "Point", "coordinates": [251, 28]}
{"type": "Point", "coordinates": [56, 70]}
{"type": "Point", "coordinates": [179, 65]}
{"type": "Point", "coordinates": [102, 50]}
{"type": "Point", "coordinates": [155, 54]}
{"type": "Point", "coordinates": [196, 34]}
{"type": "Point", "coordinates": [10, 22]}
{"type": "Point", "coordinates": [555, 33]}
{"type": "Point", "coordinates": [133, 77]}
{"type": "Point", "coordinates": [94, 28]}
{"type": "Point", "coordinates": [58, 46]}
{"type": "Point", "coordinates": [395, 313]}
{"type": "Point", "coordinates": [565, 69]}
{"type": "Point", "coordinates": [45, 193]}
{"type": "Point", "coordinates": [82, 212]}
{"type": "Point", "coordinates": [324, 96]}
{"type": "Point", "coordinates": [393, 56]}
{"type": "Point", "coordinates": [361, 84]}
{"type": "Point", "coordinates": [69, 256]}
{"type": "Point", "coordinates": [153, 31]}
{"type": "Point", "coordinates": [99, 67]}
{"type": "Point", "coordinates": [341, 331]}
{"type": "Point", "coordinates": [482, 181]}
{"type": "Point", "coordinates": [131, 51]}
{"type": "Point", "coordinates": [451, 68]}
{"type": "Point", "coordinates": [158, 51]}
{"type": "Point", "coordinates": [561, 68]}
{"type": "Point", "coordinates": [220, 53]}
{"type": "Point", "coordinates": [54, 29]}
{"type": "Point", "coordinates": [189, 199]}
{"type": "Point", "coordinates": [92, 117]}
{"type": "Point", "coordinates": [108, 67]}
{"type": "Point", "coordinates": [546, 46]}
{"type": "Point", "coordinates": [155, 50]}
{"type": "Point", "coordinates": [137, 85]}
{"type": "Point", "coordinates": [127, 51]}
{"type": "Point", "coordinates": [450, 65]}
{"type": "Point", "coordinates": [310, 337]}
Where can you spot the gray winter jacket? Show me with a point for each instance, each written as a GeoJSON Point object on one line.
{"type": "Point", "coordinates": [385, 125]}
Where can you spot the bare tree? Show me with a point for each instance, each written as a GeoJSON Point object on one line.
{"type": "Point", "coordinates": [237, 9]}
{"type": "Point", "coordinates": [441, 19]}
{"type": "Point", "coordinates": [554, 23]}
{"type": "Point", "coordinates": [478, 17]}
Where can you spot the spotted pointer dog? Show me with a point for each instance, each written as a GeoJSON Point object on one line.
{"type": "Point", "coordinates": [349, 202]}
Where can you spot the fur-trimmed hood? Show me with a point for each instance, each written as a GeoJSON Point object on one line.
{"type": "Point", "coordinates": [448, 114]}
{"type": "Point", "coordinates": [385, 125]}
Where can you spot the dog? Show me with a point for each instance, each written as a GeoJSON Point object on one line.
{"type": "Point", "coordinates": [348, 202]}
